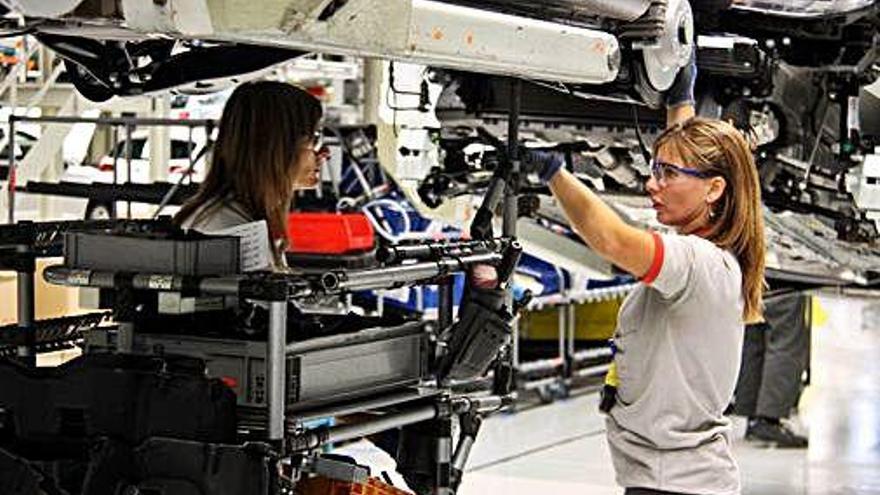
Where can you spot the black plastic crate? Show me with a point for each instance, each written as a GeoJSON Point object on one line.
{"type": "Point", "coordinates": [188, 253]}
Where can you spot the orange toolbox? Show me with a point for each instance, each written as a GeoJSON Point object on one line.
{"type": "Point", "coordinates": [319, 485]}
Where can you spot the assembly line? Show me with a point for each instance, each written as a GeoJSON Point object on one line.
{"type": "Point", "coordinates": [438, 246]}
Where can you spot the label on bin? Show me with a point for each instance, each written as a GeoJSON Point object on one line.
{"type": "Point", "coordinates": [161, 282]}
{"type": "Point", "coordinates": [254, 250]}
{"type": "Point", "coordinates": [79, 277]}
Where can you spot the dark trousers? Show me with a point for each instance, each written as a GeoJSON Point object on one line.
{"type": "Point", "coordinates": [775, 355]}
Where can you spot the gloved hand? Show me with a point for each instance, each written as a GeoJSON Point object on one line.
{"type": "Point", "coordinates": [682, 90]}
{"type": "Point", "coordinates": [544, 163]}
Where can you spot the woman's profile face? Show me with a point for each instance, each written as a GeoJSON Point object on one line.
{"type": "Point", "coordinates": [679, 199]}
{"type": "Point", "coordinates": [310, 157]}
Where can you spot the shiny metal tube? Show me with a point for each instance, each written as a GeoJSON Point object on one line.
{"type": "Point", "coordinates": [391, 254]}
{"type": "Point", "coordinates": [359, 406]}
{"type": "Point", "coordinates": [540, 383]}
{"type": "Point", "coordinates": [381, 278]}
{"type": "Point", "coordinates": [587, 354]}
{"type": "Point", "coordinates": [396, 420]}
{"type": "Point", "coordinates": [61, 275]}
{"type": "Point", "coordinates": [73, 277]}
{"type": "Point", "coordinates": [597, 370]}
{"type": "Point", "coordinates": [346, 339]}
{"type": "Point", "coordinates": [26, 315]}
{"type": "Point", "coordinates": [276, 368]}
{"type": "Point", "coordinates": [12, 173]}
{"type": "Point", "coordinates": [462, 453]}
{"type": "Point", "coordinates": [226, 286]}
{"type": "Point", "coordinates": [540, 365]}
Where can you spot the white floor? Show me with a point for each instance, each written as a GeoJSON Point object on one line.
{"type": "Point", "coordinates": [560, 449]}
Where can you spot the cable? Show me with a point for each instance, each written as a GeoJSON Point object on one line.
{"type": "Point", "coordinates": [424, 98]}
{"type": "Point", "coordinates": [393, 205]}
{"type": "Point", "coordinates": [391, 83]}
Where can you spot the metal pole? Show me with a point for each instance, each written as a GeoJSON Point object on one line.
{"type": "Point", "coordinates": [25, 281]}
{"type": "Point", "coordinates": [353, 407]}
{"type": "Point", "coordinates": [190, 148]}
{"type": "Point", "coordinates": [125, 337]}
{"type": "Point", "coordinates": [129, 128]}
{"type": "Point", "coordinates": [511, 194]}
{"type": "Point", "coordinates": [115, 145]}
{"type": "Point", "coordinates": [379, 278]}
{"type": "Point", "coordinates": [563, 319]}
{"type": "Point", "coordinates": [13, 168]}
{"type": "Point", "coordinates": [387, 422]}
{"type": "Point", "coordinates": [276, 368]}
{"type": "Point", "coordinates": [445, 303]}
{"type": "Point", "coordinates": [561, 328]}
{"type": "Point", "coordinates": [312, 440]}
{"type": "Point", "coordinates": [443, 457]}
{"type": "Point", "coordinates": [374, 72]}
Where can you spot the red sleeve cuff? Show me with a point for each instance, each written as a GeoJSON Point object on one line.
{"type": "Point", "coordinates": [656, 262]}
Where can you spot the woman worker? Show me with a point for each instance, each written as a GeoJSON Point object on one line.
{"type": "Point", "coordinates": [268, 145]}
{"type": "Point", "coordinates": [680, 332]}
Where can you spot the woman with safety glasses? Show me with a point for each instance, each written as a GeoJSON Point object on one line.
{"type": "Point", "coordinates": [680, 332]}
{"type": "Point", "coordinates": [269, 144]}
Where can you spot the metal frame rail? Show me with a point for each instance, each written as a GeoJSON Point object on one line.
{"type": "Point", "coordinates": [20, 246]}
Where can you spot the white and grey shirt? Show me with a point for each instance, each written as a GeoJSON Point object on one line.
{"type": "Point", "coordinates": [223, 214]}
{"type": "Point", "coordinates": [679, 341]}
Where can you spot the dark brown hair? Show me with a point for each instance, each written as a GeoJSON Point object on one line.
{"type": "Point", "coordinates": [262, 128]}
{"type": "Point", "coordinates": [737, 221]}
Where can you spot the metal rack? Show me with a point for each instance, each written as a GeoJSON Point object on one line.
{"type": "Point", "coordinates": [560, 373]}
{"type": "Point", "coordinates": [281, 429]}
{"type": "Point", "coordinates": [281, 426]}
{"type": "Point", "coordinates": [127, 123]}
{"type": "Point", "coordinates": [20, 246]}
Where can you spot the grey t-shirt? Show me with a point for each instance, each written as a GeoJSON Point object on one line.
{"type": "Point", "coordinates": [679, 339]}
{"type": "Point", "coordinates": [219, 215]}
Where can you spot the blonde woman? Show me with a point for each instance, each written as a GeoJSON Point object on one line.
{"type": "Point", "coordinates": [268, 145]}
{"type": "Point", "coordinates": [680, 332]}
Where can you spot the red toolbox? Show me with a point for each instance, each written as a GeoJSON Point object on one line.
{"type": "Point", "coordinates": [329, 233]}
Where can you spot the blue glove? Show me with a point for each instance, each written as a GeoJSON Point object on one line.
{"type": "Point", "coordinates": [682, 90]}
{"type": "Point", "coordinates": [545, 163]}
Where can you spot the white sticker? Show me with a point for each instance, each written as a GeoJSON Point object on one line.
{"type": "Point", "coordinates": [79, 277]}
{"type": "Point", "coordinates": [853, 122]}
{"type": "Point", "coordinates": [160, 282]}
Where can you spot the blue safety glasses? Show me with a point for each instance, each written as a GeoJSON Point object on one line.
{"type": "Point", "coordinates": [664, 171]}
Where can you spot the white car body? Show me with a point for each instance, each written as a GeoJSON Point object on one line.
{"type": "Point", "coordinates": [177, 166]}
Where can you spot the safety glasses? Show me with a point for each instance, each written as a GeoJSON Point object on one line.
{"type": "Point", "coordinates": [663, 172]}
{"type": "Point", "coordinates": [318, 141]}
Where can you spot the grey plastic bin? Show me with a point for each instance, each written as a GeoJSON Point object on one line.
{"type": "Point", "coordinates": [188, 254]}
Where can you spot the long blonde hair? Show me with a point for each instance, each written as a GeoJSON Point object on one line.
{"type": "Point", "coordinates": [253, 162]}
{"type": "Point", "coordinates": [737, 220]}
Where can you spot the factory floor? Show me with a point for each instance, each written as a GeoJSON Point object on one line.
{"type": "Point", "coordinates": [560, 449]}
